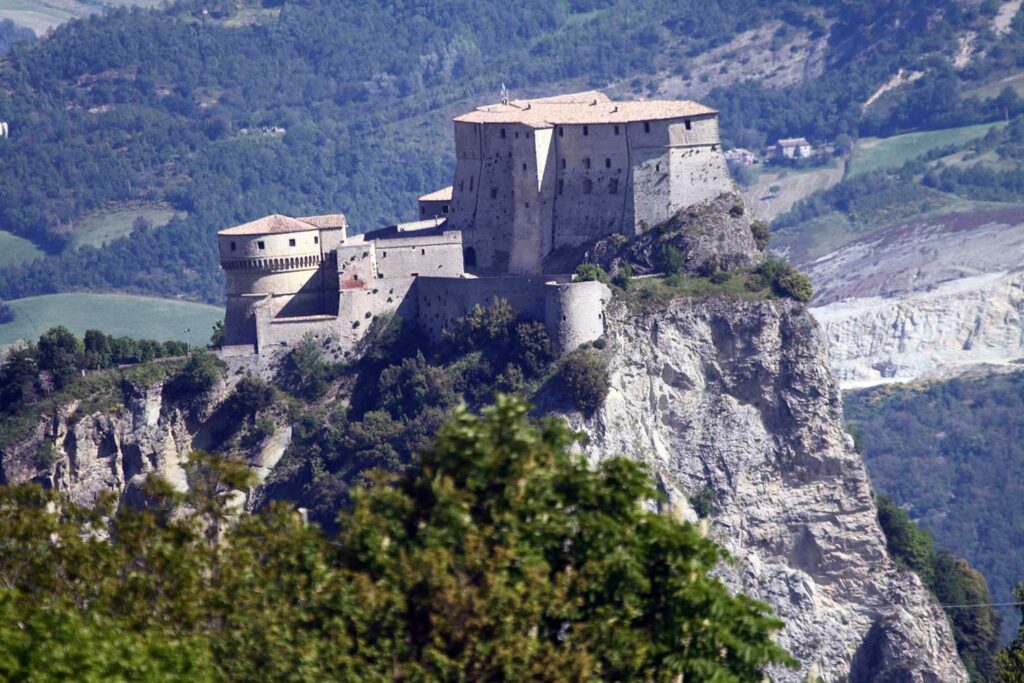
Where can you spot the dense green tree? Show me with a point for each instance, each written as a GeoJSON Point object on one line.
{"type": "Point", "coordinates": [584, 378]}
{"type": "Point", "coordinates": [1010, 662]}
{"type": "Point", "coordinates": [501, 556]}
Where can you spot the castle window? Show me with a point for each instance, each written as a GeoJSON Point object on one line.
{"type": "Point", "coordinates": [316, 239]}
{"type": "Point", "coordinates": [563, 164]}
{"type": "Point", "coordinates": [588, 186]}
{"type": "Point", "coordinates": [714, 148]}
{"type": "Point", "coordinates": [444, 209]}
{"type": "Point", "coordinates": [517, 135]}
{"type": "Point", "coordinates": [527, 205]}
{"type": "Point", "coordinates": [657, 168]}
{"type": "Point", "coordinates": [232, 245]}
{"type": "Point", "coordinates": [586, 130]}
{"type": "Point", "coordinates": [503, 132]}
{"type": "Point", "coordinates": [461, 186]}
{"type": "Point", "coordinates": [384, 254]}
{"type": "Point", "coordinates": [616, 130]}
{"type": "Point", "coordinates": [607, 163]}
{"type": "Point", "coordinates": [423, 252]}
{"type": "Point", "coordinates": [586, 162]}
{"type": "Point", "coordinates": [524, 166]}
{"type": "Point", "coordinates": [380, 276]}
{"type": "Point", "coordinates": [291, 242]}
{"type": "Point", "coordinates": [647, 126]}
{"type": "Point", "coordinates": [561, 132]}
{"type": "Point", "coordinates": [688, 124]}
{"type": "Point", "coordinates": [494, 193]}
{"type": "Point", "coordinates": [261, 244]}
{"type": "Point", "coordinates": [470, 183]}
{"type": "Point", "coordinates": [613, 186]}
{"type": "Point", "coordinates": [423, 211]}
{"type": "Point", "coordinates": [561, 186]}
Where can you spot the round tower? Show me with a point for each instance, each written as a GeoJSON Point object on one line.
{"type": "Point", "coordinates": [276, 262]}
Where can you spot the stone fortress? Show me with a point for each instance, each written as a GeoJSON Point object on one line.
{"type": "Point", "coordinates": [536, 181]}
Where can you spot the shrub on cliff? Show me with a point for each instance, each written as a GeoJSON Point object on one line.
{"type": "Point", "coordinates": [785, 280]}
{"type": "Point", "coordinates": [586, 272]}
{"type": "Point", "coordinates": [196, 379]}
{"type": "Point", "coordinates": [501, 556]}
{"type": "Point", "coordinates": [584, 379]}
{"type": "Point", "coordinates": [761, 233]}
{"type": "Point", "coordinates": [307, 374]}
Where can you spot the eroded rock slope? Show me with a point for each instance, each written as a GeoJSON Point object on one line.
{"type": "Point", "coordinates": [736, 399]}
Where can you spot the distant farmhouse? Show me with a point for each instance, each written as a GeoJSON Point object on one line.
{"type": "Point", "coordinates": [534, 179]}
{"type": "Point", "coordinates": [741, 157]}
{"type": "Point", "coordinates": [793, 148]}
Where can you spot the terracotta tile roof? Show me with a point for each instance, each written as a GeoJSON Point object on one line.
{"type": "Point", "coordinates": [438, 195]}
{"type": "Point", "coordinates": [584, 107]}
{"type": "Point", "coordinates": [269, 225]}
{"type": "Point", "coordinates": [327, 221]}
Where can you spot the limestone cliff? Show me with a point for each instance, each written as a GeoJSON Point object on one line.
{"type": "Point", "coordinates": [736, 399]}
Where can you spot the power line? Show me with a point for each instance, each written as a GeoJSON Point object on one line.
{"type": "Point", "coordinates": [991, 604]}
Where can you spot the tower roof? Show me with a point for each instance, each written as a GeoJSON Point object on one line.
{"type": "Point", "coordinates": [580, 108]}
{"type": "Point", "coordinates": [443, 194]}
{"type": "Point", "coordinates": [327, 221]}
{"type": "Point", "coordinates": [269, 225]}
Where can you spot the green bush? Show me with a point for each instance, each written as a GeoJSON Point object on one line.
{"type": "Point", "coordinates": [670, 260]}
{"type": "Point", "coordinates": [720, 277]}
{"type": "Point", "coordinates": [795, 285]}
{"type": "Point", "coordinates": [761, 233]}
{"type": "Point", "coordinates": [584, 379]}
{"type": "Point", "coordinates": [251, 396]}
{"type": "Point", "coordinates": [307, 374]}
{"type": "Point", "coordinates": [586, 272]}
{"type": "Point", "coordinates": [624, 278]}
{"type": "Point", "coordinates": [197, 378]}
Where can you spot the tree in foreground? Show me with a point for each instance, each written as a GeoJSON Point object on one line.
{"type": "Point", "coordinates": [502, 556]}
{"type": "Point", "coordinates": [1010, 662]}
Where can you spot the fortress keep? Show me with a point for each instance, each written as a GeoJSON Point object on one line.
{"type": "Point", "coordinates": [534, 180]}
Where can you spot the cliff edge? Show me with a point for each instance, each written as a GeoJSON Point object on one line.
{"type": "Point", "coordinates": [732, 403]}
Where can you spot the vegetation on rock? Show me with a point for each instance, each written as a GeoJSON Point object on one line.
{"type": "Point", "coordinates": [500, 556]}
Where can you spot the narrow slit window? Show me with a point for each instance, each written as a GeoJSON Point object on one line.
{"type": "Point", "coordinates": [524, 166]}
{"type": "Point", "coordinates": [647, 126]}
{"type": "Point", "coordinates": [586, 162]}
{"type": "Point", "coordinates": [503, 132]}
{"type": "Point", "coordinates": [232, 246]}
{"type": "Point", "coordinates": [563, 164]}
{"type": "Point", "coordinates": [586, 130]}
{"type": "Point", "coordinates": [316, 239]}
{"type": "Point", "coordinates": [616, 130]}
{"type": "Point", "coordinates": [561, 186]}
{"type": "Point", "coordinates": [494, 193]}
{"type": "Point", "coordinates": [470, 183]}
{"type": "Point", "coordinates": [607, 163]}
{"type": "Point", "coordinates": [561, 132]}
{"type": "Point", "coordinates": [688, 124]}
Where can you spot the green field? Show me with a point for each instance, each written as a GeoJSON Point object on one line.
{"type": "Point", "coordinates": [41, 15]}
{"type": "Point", "coordinates": [14, 249]}
{"type": "Point", "coordinates": [136, 316]}
{"type": "Point", "coordinates": [872, 154]}
{"type": "Point", "coordinates": [103, 226]}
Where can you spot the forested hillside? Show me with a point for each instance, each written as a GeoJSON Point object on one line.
{"type": "Point", "coordinates": [951, 453]}
{"type": "Point", "coordinates": [227, 112]}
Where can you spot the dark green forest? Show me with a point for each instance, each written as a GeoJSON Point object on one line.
{"type": "Point", "coordinates": [180, 106]}
{"type": "Point", "coordinates": [945, 452]}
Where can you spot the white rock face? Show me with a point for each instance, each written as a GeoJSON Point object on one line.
{"type": "Point", "coordinates": [925, 297]}
{"type": "Point", "coordinates": [738, 398]}
{"type": "Point", "coordinates": [956, 325]}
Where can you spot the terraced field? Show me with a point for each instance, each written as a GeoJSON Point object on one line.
{"type": "Point", "coordinates": [873, 154]}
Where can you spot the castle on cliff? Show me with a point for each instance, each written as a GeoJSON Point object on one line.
{"type": "Point", "coordinates": [536, 181]}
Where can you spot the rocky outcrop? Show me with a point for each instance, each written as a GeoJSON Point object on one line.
{"type": "Point", "coordinates": [713, 236]}
{"type": "Point", "coordinates": [87, 453]}
{"type": "Point", "coordinates": [734, 400]}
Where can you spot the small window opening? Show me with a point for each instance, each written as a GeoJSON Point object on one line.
{"type": "Point", "coordinates": [561, 186]}
{"type": "Point", "coordinates": [423, 252]}
{"type": "Point", "coordinates": [586, 130]}
{"type": "Point", "coordinates": [524, 166]}
{"type": "Point", "coordinates": [527, 205]}
{"type": "Point", "coordinates": [586, 162]}
{"type": "Point", "coordinates": [444, 209]}
{"type": "Point", "coordinates": [291, 243]}
{"type": "Point", "coordinates": [607, 163]}
{"type": "Point", "coordinates": [563, 164]}
{"type": "Point", "coordinates": [657, 168]}
{"type": "Point", "coordinates": [261, 244]}
{"type": "Point", "coordinates": [688, 124]}
{"type": "Point", "coordinates": [561, 132]}
{"type": "Point", "coordinates": [232, 246]}
{"type": "Point", "coordinates": [616, 130]}
{"type": "Point", "coordinates": [647, 126]}
{"type": "Point", "coordinates": [380, 276]}
{"type": "Point", "coordinates": [517, 135]}
{"type": "Point", "coordinates": [494, 193]}
{"type": "Point", "coordinates": [316, 239]}
{"type": "Point", "coordinates": [423, 211]}
{"type": "Point", "coordinates": [384, 254]}
{"type": "Point", "coordinates": [470, 183]}
{"type": "Point", "coordinates": [502, 132]}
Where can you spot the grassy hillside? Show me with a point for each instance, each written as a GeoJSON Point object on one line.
{"type": "Point", "coordinates": [133, 316]}
{"type": "Point", "coordinates": [952, 453]}
{"type": "Point", "coordinates": [874, 154]}
{"type": "Point", "coordinates": [14, 249]}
